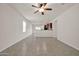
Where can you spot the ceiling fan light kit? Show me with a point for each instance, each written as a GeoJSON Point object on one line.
{"type": "Point", "coordinates": [41, 10]}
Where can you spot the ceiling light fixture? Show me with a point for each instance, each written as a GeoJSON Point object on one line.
{"type": "Point", "coordinates": [41, 10]}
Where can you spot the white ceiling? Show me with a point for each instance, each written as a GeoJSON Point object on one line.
{"type": "Point", "coordinates": [27, 11]}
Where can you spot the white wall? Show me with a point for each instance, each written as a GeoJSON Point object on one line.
{"type": "Point", "coordinates": [43, 33]}
{"type": "Point", "coordinates": [68, 27]}
{"type": "Point", "coordinates": [54, 28]}
{"type": "Point", "coordinates": [11, 27]}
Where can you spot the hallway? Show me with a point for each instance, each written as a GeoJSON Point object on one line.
{"type": "Point", "coordinates": [40, 46]}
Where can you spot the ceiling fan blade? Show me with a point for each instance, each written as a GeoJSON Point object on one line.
{"type": "Point", "coordinates": [42, 13]}
{"type": "Point", "coordinates": [34, 6]}
{"type": "Point", "coordinates": [40, 5]}
{"type": "Point", "coordinates": [48, 9]}
{"type": "Point", "coordinates": [44, 4]}
{"type": "Point", "coordinates": [36, 11]}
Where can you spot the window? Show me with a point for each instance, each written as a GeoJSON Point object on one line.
{"type": "Point", "coordinates": [37, 28]}
{"type": "Point", "coordinates": [24, 26]}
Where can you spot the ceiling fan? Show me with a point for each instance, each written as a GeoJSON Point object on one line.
{"type": "Point", "coordinates": [41, 8]}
